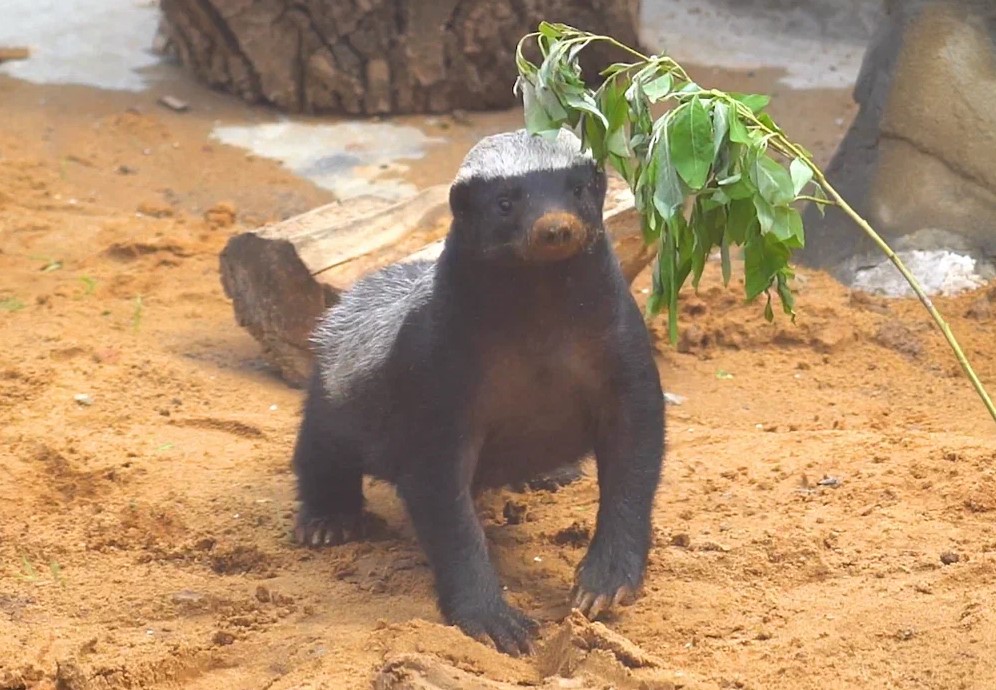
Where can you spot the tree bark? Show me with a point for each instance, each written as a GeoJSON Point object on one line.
{"type": "Point", "coordinates": [282, 277]}
{"type": "Point", "coordinates": [375, 56]}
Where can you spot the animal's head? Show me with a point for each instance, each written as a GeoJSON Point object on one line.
{"type": "Point", "coordinates": [519, 197]}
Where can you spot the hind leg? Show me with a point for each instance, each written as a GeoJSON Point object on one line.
{"type": "Point", "coordinates": [329, 478]}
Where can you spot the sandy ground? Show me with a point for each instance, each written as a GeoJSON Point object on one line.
{"type": "Point", "coordinates": [825, 518]}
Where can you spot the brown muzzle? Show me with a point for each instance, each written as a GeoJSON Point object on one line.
{"type": "Point", "coordinates": [556, 236]}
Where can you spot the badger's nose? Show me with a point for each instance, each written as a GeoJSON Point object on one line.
{"type": "Point", "coordinates": [554, 234]}
{"type": "Point", "coordinates": [557, 234]}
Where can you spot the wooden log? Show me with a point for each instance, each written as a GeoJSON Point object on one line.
{"type": "Point", "coordinates": [281, 277]}
{"type": "Point", "coordinates": [14, 53]}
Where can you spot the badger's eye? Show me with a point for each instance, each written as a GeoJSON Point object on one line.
{"type": "Point", "coordinates": [504, 205]}
{"type": "Point", "coordinates": [578, 190]}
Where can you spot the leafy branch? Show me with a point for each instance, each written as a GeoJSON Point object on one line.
{"type": "Point", "coordinates": [714, 171]}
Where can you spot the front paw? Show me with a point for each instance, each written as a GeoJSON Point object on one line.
{"type": "Point", "coordinates": [509, 629]}
{"type": "Point", "coordinates": [606, 578]}
{"type": "Point", "coordinates": [316, 531]}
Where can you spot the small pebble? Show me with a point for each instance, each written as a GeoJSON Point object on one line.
{"type": "Point", "coordinates": [174, 103]}
{"type": "Point", "coordinates": [223, 638]}
{"type": "Point", "coordinates": [83, 399]}
{"type": "Point", "coordinates": [949, 557]}
{"type": "Point", "coordinates": [681, 540]}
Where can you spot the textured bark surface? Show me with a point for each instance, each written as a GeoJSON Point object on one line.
{"type": "Point", "coordinates": [374, 56]}
{"type": "Point", "coordinates": [281, 277]}
{"type": "Point", "coordinates": [917, 161]}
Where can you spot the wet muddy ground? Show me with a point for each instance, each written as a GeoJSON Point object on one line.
{"type": "Point", "coordinates": [825, 518]}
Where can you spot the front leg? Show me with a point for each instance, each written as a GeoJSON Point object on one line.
{"type": "Point", "coordinates": [441, 507]}
{"type": "Point", "coordinates": [629, 451]}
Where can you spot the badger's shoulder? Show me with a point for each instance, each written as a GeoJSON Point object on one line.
{"type": "Point", "coordinates": [511, 154]}
{"type": "Point", "coordinates": [354, 338]}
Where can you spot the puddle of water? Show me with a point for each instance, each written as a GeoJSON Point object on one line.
{"type": "Point", "coordinates": [938, 271]}
{"type": "Point", "coordinates": [99, 43]}
{"type": "Point", "coordinates": [812, 55]}
{"type": "Point", "coordinates": [348, 158]}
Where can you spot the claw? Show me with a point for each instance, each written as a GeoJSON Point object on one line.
{"type": "Point", "coordinates": [584, 601]}
{"type": "Point", "coordinates": [508, 631]}
{"type": "Point", "coordinates": [328, 531]}
{"type": "Point", "coordinates": [600, 604]}
{"type": "Point", "coordinates": [622, 594]}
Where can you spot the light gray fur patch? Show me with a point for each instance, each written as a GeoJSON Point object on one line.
{"type": "Point", "coordinates": [354, 338]}
{"type": "Point", "coordinates": [517, 153]}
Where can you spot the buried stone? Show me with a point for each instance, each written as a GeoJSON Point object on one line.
{"type": "Point", "coordinates": [516, 353]}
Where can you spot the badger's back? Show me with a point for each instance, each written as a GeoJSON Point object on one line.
{"type": "Point", "coordinates": [354, 338]}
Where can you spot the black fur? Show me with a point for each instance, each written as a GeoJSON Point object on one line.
{"type": "Point", "coordinates": [512, 368]}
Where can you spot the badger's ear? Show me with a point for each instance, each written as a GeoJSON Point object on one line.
{"type": "Point", "coordinates": [459, 199]}
{"type": "Point", "coordinates": [601, 184]}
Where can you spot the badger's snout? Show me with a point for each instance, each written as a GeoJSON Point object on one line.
{"type": "Point", "coordinates": [556, 235]}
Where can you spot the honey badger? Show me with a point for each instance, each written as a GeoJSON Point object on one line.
{"type": "Point", "coordinates": [518, 351]}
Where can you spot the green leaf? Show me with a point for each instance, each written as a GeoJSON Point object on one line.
{"type": "Point", "coordinates": [766, 120]}
{"type": "Point", "coordinates": [742, 219]}
{"type": "Point", "coordinates": [615, 68]}
{"type": "Point", "coordinates": [782, 222]}
{"type": "Point", "coordinates": [623, 165]}
{"type": "Point", "coordinates": [743, 188]}
{"type": "Point", "coordinates": [772, 181]}
{"type": "Point", "coordinates": [551, 29]}
{"type": "Point", "coordinates": [763, 259]}
{"type": "Point", "coordinates": [785, 294]}
{"type": "Point", "coordinates": [738, 130]}
{"type": "Point", "coordinates": [658, 88]}
{"type": "Point", "coordinates": [769, 313]}
{"type": "Point", "coordinates": [654, 304]}
{"type": "Point", "coordinates": [757, 278]}
{"type": "Point", "coordinates": [724, 255]}
{"type": "Point", "coordinates": [801, 175]}
{"type": "Point", "coordinates": [720, 125]}
{"type": "Point", "coordinates": [594, 137]}
{"type": "Point", "coordinates": [577, 45]}
{"type": "Point", "coordinates": [765, 214]}
{"type": "Point", "coordinates": [699, 250]}
{"type": "Point", "coordinates": [669, 279]}
{"type": "Point", "coordinates": [788, 227]}
{"type": "Point", "coordinates": [537, 119]}
{"type": "Point", "coordinates": [820, 194]}
{"type": "Point", "coordinates": [721, 197]}
{"type": "Point", "coordinates": [690, 130]}
{"type": "Point", "coordinates": [756, 102]}
{"type": "Point", "coordinates": [551, 104]}
{"type": "Point", "coordinates": [668, 192]}
{"type": "Point", "coordinates": [615, 107]}
{"type": "Point", "coordinates": [586, 104]}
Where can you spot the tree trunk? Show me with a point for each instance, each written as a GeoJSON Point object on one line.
{"type": "Point", "coordinates": [281, 277]}
{"type": "Point", "coordinates": [375, 56]}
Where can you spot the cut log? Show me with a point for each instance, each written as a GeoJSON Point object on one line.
{"type": "Point", "coordinates": [376, 56]}
{"type": "Point", "coordinates": [281, 277]}
{"type": "Point", "coordinates": [14, 53]}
